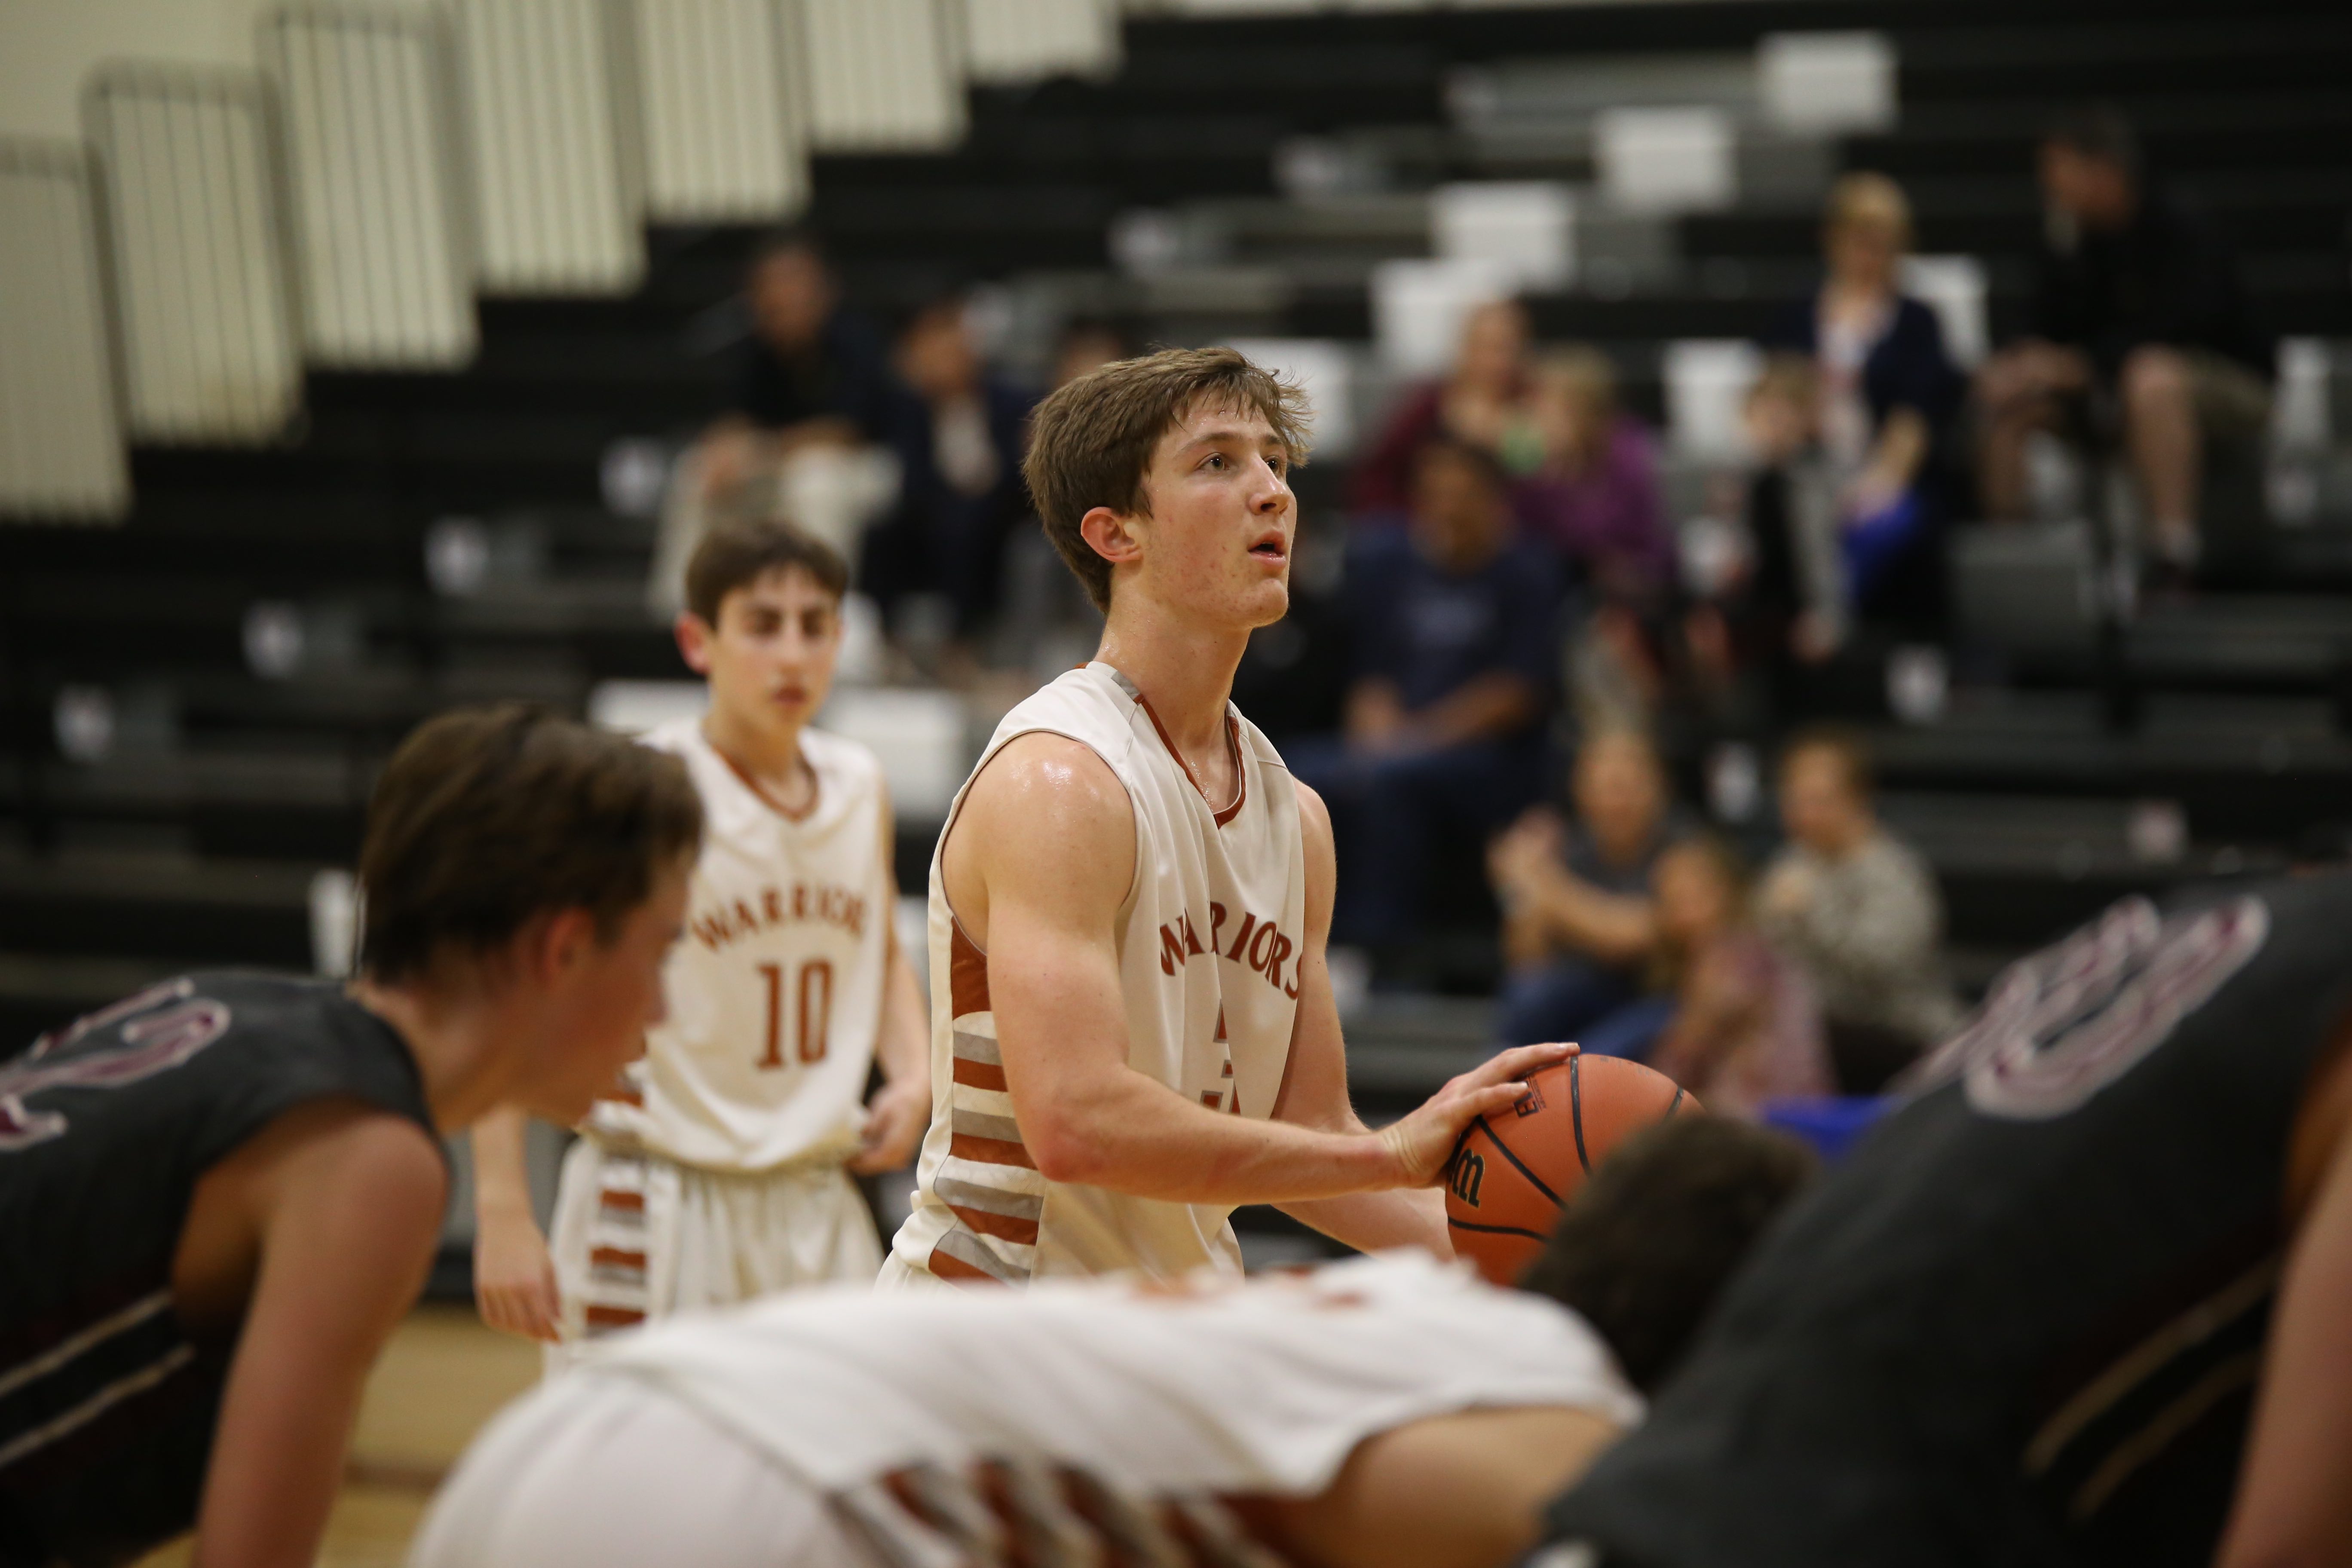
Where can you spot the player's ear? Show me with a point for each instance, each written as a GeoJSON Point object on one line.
{"type": "Point", "coordinates": [694, 634]}
{"type": "Point", "coordinates": [564, 941]}
{"type": "Point", "coordinates": [1111, 535]}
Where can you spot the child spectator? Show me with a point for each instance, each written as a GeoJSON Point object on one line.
{"type": "Point", "coordinates": [1593, 493]}
{"type": "Point", "coordinates": [1452, 624]}
{"type": "Point", "coordinates": [1743, 1026]}
{"type": "Point", "coordinates": [1859, 910]}
{"type": "Point", "coordinates": [1580, 929]}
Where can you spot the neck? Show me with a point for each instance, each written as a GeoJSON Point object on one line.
{"type": "Point", "coordinates": [452, 1028]}
{"type": "Point", "coordinates": [1185, 671]}
{"type": "Point", "coordinates": [768, 752]}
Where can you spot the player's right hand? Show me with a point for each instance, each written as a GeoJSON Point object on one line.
{"type": "Point", "coordinates": [1421, 1142]}
{"type": "Point", "coordinates": [514, 1278]}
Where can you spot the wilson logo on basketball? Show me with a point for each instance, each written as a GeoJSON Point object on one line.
{"type": "Point", "coordinates": [1469, 1172]}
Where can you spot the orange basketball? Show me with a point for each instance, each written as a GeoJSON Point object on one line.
{"type": "Point", "coordinates": [1509, 1175]}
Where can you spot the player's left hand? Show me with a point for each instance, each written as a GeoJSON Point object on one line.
{"type": "Point", "coordinates": [895, 1120]}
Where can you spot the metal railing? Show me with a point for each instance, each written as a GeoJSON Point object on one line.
{"type": "Point", "coordinates": [725, 110]}
{"type": "Point", "coordinates": [380, 236]}
{"type": "Point", "coordinates": [203, 302]}
{"type": "Point", "coordinates": [550, 104]}
{"type": "Point", "coordinates": [61, 442]}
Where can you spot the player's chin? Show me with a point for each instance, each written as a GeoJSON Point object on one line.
{"type": "Point", "coordinates": [1266, 602]}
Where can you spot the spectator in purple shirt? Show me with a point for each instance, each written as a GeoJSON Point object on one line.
{"type": "Point", "coordinates": [1451, 619]}
{"type": "Point", "coordinates": [1592, 489]}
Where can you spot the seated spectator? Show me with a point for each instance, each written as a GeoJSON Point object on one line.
{"type": "Point", "coordinates": [973, 421]}
{"type": "Point", "coordinates": [1593, 494]}
{"type": "Point", "coordinates": [1482, 402]}
{"type": "Point", "coordinates": [2139, 302]}
{"type": "Point", "coordinates": [1451, 625]}
{"type": "Point", "coordinates": [1743, 1028]}
{"type": "Point", "coordinates": [1887, 394]}
{"type": "Point", "coordinates": [817, 425]}
{"type": "Point", "coordinates": [1858, 911]}
{"type": "Point", "coordinates": [1580, 929]}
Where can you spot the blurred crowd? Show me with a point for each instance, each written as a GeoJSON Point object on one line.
{"type": "Point", "coordinates": [1506, 649]}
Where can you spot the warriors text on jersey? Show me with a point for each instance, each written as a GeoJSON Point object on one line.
{"type": "Point", "coordinates": [1210, 941]}
{"type": "Point", "coordinates": [107, 1405]}
{"type": "Point", "coordinates": [775, 990]}
{"type": "Point", "coordinates": [2023, 1322]}
{"type": "Point", "coordinates": [1091, 1422]}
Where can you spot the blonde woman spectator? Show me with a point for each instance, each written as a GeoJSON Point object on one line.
{"type": "Point", "coordinates": [1858, 909]}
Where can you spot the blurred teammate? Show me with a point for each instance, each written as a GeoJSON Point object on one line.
{"type": "Point", "coordinates": [1133, 1028]}
{"type": "Point", "coordinates": [721, 1168]}
{"type": "Point", "coordinates": [2092, 1281]}
{"type": "Point", "coordinates": [218, 1196]}
{"type": "Point", "coordinates": [1387, 1410]}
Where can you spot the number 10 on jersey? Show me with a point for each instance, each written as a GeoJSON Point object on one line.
{"type": "Point", "coordinates": [812, 1011]}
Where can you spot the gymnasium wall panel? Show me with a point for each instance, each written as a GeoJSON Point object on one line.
{"type": "Point", "coordinates": [61, 445]}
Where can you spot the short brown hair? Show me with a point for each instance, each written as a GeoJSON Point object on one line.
{"type": "Point", "coordinates": [486, 816]}
{"type": "Point", "coordinates": [1090, 443]}
{"type": "Point", "coordinates": [737, 555]}
{"type": "Point", "coordinates": [1844, 747]}
{"type": "Point", "coordinates": [1645, 1247]}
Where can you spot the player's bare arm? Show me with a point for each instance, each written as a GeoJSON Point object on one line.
{"type": "Point", "coordinates": [2294, 1505]}
{"type": "Point", "coordinates": [276, 1219]}
{"type": "Point", "coordinates": [514, 1276]}
{"type": "Point", "coordinates": [901, 1108]}
{"type": "Point", "coordinates": [1315, 1079]}
{"type": "Point", "coordinates": [1036, 867]}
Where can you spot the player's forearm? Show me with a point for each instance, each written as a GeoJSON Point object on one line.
{"type": "Point", "coordinates": [903, 1050]}
{"type": "Point", "coordinates": [501, 1179]}
{"type": "Point", "coordinates": [1123, 1131]}
{"type": "Point", "coordinates": [1370, 1222]}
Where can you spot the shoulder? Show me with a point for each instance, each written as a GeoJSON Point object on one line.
{"type": "Point", "coordinates": [343, 1153]}
{"type": "Point", "coordinates": [1039, 775]}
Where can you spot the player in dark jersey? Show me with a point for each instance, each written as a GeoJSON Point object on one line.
{"type": "Point", "coordinates": [2085, 1298]}
{"type": "Point", "coordinates": [218, 1196]}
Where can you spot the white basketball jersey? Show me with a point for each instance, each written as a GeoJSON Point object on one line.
{"type": "Point", "coordinates": [1209, 948]}
{"type": "Point", "coordinates": [1210, 1386]}
{"type": "Point", "coordinates": [775, 990]}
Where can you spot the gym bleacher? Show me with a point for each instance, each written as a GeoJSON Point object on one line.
{"type": "Point", "coordinates": [201, 685]}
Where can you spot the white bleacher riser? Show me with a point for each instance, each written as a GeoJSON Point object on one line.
{"type": "Point", "coordinates": [1325, 370]}
{"type": "Point", "coordinates": [1017, 41]}
{"type": "Point", "coordinates": [885, 76]}
{"type": "Point", "coordinates": [61, 444]}
{"type": "Point", "coordinates": [1954, 287]}
{"type": "Point", "coordinates": [1419, 307]}
{"type": "Point", "coordinates": [1707, 382]}
{"type": "Point", "coordinates": [1666, 160]}
{"type": "Point", "coordinates": [551, 122]}
{"type": "Point", "coordinates": [380, 236]}
{"type": "Point", "coordinates": [211, 351]}
{"type": "Point", "coordinates": [919, 736]}
{"type": "Point", "coordinates": [725, 110]}
{"type": "Point", "coordinates": [1525, 227]}
{"type": "Point", "coordinates": [1827, 83]}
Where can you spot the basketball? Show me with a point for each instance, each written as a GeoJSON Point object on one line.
{"type": "Point", "coordinates": [1507, 1179]}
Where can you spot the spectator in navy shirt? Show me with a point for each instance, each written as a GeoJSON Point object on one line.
{"type": "Point", "coordinates": [1452, 622]}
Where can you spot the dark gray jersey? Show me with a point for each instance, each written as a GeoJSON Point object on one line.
{"type": "Point", "coordinates": [2023, 1322]}
{"type": "Point", "coordinates": [107, 1406]}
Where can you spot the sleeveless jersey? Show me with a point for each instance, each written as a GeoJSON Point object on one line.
{"type": "Point", "coordinates": [107, 1406]}
{"type": "Point", "coordinates": [1209, 942]}
{"type": "Point", "coordinates": [1142, 1398]}
{"type": "Point", "coordinates": [2022, 1323]}
{"type": "Point", "coordinates": [775, 990]}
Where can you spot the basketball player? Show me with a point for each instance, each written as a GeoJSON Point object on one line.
{"type": "Point", "coordinates": [1387, 1410]}
{"type": "Point", "coordinates": [218, 1196]}
{"type": "Point", "coordinates": [722, 1170]}
{"type": "Point", "coordinates": [2088, 1287]}
{"type": "Point", "coordinates": [1133, 1028]}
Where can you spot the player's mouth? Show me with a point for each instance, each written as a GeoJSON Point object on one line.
{"type": "Point", "coordinates": [1274, 547]}
{"type": "Point", "coordinates": [793, 696]}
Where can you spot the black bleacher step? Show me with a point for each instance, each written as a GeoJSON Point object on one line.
{"type": "Point", "coordinates": [2272, 640]}
{"type": "Point", "coordinates": [183, 911]}
{"type": "Point", "coordinates": [2070, 62]}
